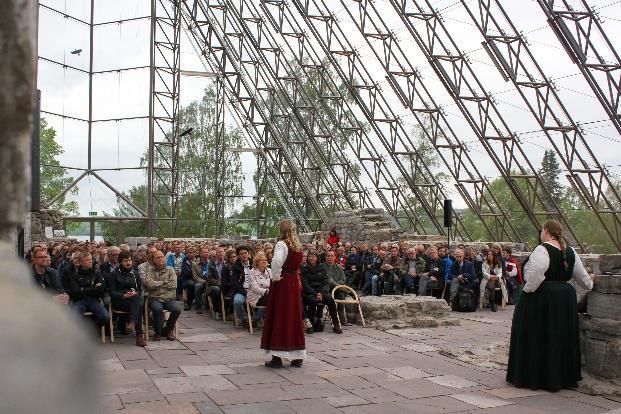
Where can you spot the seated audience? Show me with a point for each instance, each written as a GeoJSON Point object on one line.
{"type": "Point", "coordinates": [161, 284]}
{"type": "Point", "coordinates": [214, 279]}
{"type": "Point", "coordinates": [333, 237]}
{"type": "Point", "coordinates": [187, 277]}
{"type": "Point", "coordinates": [86, 289]}
{"type": "Point", "coordinates": [336, 277]}
{"type": "Point", "coordinates": [200, 273]}
{"type": "Point", "coordinates": [241, 270]}
{"type": "Point", "coordinates": [492, 280]}
{"type": "Point", "coordinates": [125, 293]}
{"type": "Point", "coordinates": [461, 274]}
{"type": "Point", "coordinates": [433, 277]}
{"type": "Point", "coordinates": [353, 268]}
{"type": "Point", "coordinates": [513, 274]}
{"type": "Point", "coordinates": [258, 285]}
{"type": "Point", "coordinates": [47, 278]}
{"type": "Point", "coordinates": [315, 294]}
{"type": "Point", "coordinates": [390, 272]}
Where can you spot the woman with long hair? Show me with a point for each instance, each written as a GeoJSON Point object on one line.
{"type": "Point", "coordinates": [545, 344]}
{"type": "Point", "coordinates": [283, 331]}
{"type": "Point", "coordinates": [491, 269]}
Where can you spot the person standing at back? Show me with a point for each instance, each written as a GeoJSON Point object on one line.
{"type": "Point", "coordinates": [545, 343]}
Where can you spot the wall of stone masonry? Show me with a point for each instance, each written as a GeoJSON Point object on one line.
{"type": "Point", "coordinates": [371, 225]}
{"type": "Point", "coordinates": [600, 331]}
{"type": "Point", "coordinates": [42, 219]}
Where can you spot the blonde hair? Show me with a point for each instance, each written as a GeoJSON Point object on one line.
{"type": "Point", "coordinates": [257, 258]}
{"type": "Point", "coordinates": [287, 234]}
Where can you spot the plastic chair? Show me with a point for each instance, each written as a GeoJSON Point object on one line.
{"type": "Point", "coordinates": [352, 299]}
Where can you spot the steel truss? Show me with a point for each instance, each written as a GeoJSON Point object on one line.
{"type": "Point", "coordinates": [513, 58]}
{"type": "Point", "coordinates": [250, 99]}
{"type": "Point", "coordinates": [583, 37]}
{"type": "Point", "coordinates": [163, 171]}
{"type": "Point", "coordinates": [304, 105]}
{"type": "Point", "coordinates": [384, 126]}
{"type": "Point", "coordinates": [336, 109]}
{"type": "Point", "coordinates": [284, 89]}
{"type": "Point", "coordinates": [481, 112]}
{"type": "Point", "coordinates": [410, 88]}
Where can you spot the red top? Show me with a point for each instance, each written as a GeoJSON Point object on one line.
{"type": "Point", "coordinates": [333, 240]}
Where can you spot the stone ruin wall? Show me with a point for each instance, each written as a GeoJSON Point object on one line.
{"type": "Point", "coordinates": [600, 332]}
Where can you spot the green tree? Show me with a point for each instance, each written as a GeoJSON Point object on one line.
{"type": "Point", "coordinates": [550, 172]}
{"type": "Point", "coordinates": [198, 168]}
{"type": "Point", "coordinates": [53, 179]}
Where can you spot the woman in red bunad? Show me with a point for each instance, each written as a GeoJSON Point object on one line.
{"type": "Point", "coordinates": [283, 330]}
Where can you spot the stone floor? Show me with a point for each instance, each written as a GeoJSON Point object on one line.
{"type": "Point", "coordinates": [217, 368]}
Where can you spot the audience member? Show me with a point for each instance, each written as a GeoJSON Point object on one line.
{"type": "Point", "coordinates": [161, 284]}
{"type": "Point", "coordinates": [86, 289]}
{"type": "Point", "coordinates": [315, 294]}
{"type": "Point", "coordinates": [258, 285]}
{"type": "Point", "coordinates": [125, 293]}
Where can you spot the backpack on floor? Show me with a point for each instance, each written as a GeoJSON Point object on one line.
{"type": "Point", "coordinates": [464, 301]}
{"type": "Point", "coordinates": [318, 325]}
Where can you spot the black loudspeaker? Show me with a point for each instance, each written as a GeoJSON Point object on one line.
{"type": "Point", "coordinates": [448, 213]}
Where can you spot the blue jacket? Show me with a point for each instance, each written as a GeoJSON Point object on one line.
{"type": "Point", "coordinates": [467, 271]}
{"type": "Point", "coordinates": [447, 268]}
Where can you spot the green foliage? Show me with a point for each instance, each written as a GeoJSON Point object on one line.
{"type": "Point", "coordinates": [53, 179]}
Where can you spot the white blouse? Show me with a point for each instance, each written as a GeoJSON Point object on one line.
{"type": "Point", "coordinates": [538, 264]}
{"type": "Point", "coordinates": [278, 259]}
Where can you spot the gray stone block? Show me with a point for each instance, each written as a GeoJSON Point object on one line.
{"type": "Point", "coordinates": [604, 306]}
{"type": "Point", "coordinates": [608, 284]}
{"type": "Point", "coordinates": [610, 263]}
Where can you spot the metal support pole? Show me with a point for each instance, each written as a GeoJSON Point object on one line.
{"type": "Point", "coordinates": [90, 88]}
{"type": "Point", "coordinates": [151, 163]}
{"type": "Point", "coordinates": [92, 231]}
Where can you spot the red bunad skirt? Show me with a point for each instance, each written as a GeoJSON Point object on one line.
{"type": "Point", "coordinates": [283, 328]}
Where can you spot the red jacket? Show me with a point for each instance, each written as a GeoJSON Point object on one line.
{"type": "Point", "coordinates": [332, 240]}
{"type": "Point", "coordinates": [516, 263]}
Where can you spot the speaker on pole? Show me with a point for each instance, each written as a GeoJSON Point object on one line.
{"type": "Point", "coordinates": [448, 213]}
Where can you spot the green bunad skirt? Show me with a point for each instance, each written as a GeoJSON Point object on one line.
{"type": "Point", "coordinates": [545, 343]}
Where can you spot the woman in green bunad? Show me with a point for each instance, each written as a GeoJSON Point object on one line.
{"type": "Point", "coordinates": [545, 344]}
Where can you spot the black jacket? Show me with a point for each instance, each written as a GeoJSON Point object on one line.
{"type": "Point", "coordinates": [49, 281]}
{"type": "Point", "coordinates": [186, 270]}
{"type": "Point", "coordinates": [229, 282]}
{"type": "Point", "coordinates": [122, 281]}
{"type": "Point", "coordinates": [86, 283]}
{"type": "Point", "coordinates": [236, 280]}
{"type": "Point", "coordinates": [315, 280]}
{"type": "Point", "coordinates": [436, 268]}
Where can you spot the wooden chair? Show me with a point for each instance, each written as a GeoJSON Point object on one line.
{"type": "Point", "coordinates": [210, 303]}
{"type": "Point", "coordinates": [249, 309]}
{"type": "Point", "coordinates": [352, 299]}
{"type": "Point", "coordinates": [103, 327]}
{"type": "Point", "coordinates": [146, 319]}
{"type": "Point", "coordinates": [112, 311]}
{"type": "Point", "coordinates": [222, 299]}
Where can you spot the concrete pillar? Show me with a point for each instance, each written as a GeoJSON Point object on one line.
{"type": "Point", "coordinates": [47, 360]}
{"type": "Point", "coordinates": [17, 80]}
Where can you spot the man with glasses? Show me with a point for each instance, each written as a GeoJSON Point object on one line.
{"type": "Point", "coordinates": [46, 278]}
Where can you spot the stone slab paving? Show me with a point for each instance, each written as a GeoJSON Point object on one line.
{"type": "Point", "coordinates": [215, 367]}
